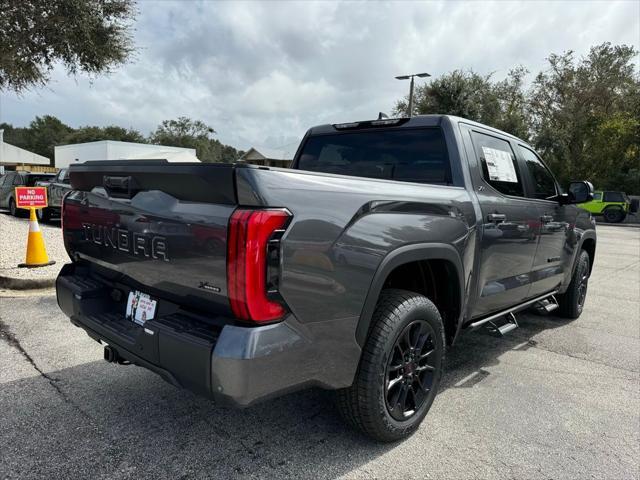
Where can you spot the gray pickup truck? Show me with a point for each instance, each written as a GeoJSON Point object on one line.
{"type": "Point", "coordinates": [353, 271]}
{"type": "Point", "coordinates": [57, 187]}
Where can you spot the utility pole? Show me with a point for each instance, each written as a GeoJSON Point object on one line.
{"type": "Point", "coordinates": [411, 77]}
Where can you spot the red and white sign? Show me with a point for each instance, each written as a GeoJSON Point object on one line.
{"type": "Point", "coordinates": [31, 197]}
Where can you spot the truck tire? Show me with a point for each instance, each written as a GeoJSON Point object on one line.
{"type": "Point", "coordinates": [613, 214]}
{"type": "Point", "coordinates": [400, 368]}
{"type": "Point", "coordinates": [43, 214]}
{"type": "Point", "coordinates": [572, 301]}
{"type": "Point", "coordinates": [13, 210]}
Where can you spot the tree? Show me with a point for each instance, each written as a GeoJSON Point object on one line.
{"type": "Point", "coordinates": [586, 116]}
{"type": "Point", "coordinates": [94, 134]}
{"type": "Point", "coordinates": [476, 97]}
{"type": "Point", "coordinates": [188, 133]}
{"type": "Point", "coordinates": [582, 115]}
{"type": "Point", "coordinates": [45, 133]}
{"type": "Point", "coordinates": [90, 36]}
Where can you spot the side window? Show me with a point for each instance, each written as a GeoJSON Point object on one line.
{"type": "Point", "coordinates": [17, 180]}
{"type": "Point", "coordinates": [499, 167]}
{"type": "Point", "coordinates": [63, 177]}
{"type": "Point", "coordinates": [544, 186]}
{"type": "Point", "coordinates": [613, 197]}
{"type": "Point", "coordinates": [3, 178]}
{"type": "Point", "coordinates": [597, 196]}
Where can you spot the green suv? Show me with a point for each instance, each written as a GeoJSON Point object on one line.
{"type": "Point", "coordinates": [613, 206]}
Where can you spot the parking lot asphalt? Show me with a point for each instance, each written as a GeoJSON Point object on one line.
{"type": "Point", "coordinates": [554, 399]}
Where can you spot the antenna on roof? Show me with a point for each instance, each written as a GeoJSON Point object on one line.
{"type": "Point", "coordinates": [382, 115]}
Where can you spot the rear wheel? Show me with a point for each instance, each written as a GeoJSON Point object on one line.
{"type": "Point", "coordinates": [13, 210]}
{"type": "Point", "coordinates": [613, 214]}
{"type": "Point", "coordinates": [572, 301]}
{"type": "Point", "coordinates": [400, 368]}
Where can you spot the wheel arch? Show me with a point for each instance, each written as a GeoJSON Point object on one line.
{"type": "Point", "coordinates": [408, 255]}
{"type": "Point", "coordinates": [588, 243]}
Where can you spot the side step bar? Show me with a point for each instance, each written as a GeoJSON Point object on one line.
{"type": "Point", "coordinates": [501, 330]}
{"type": "Point", "coordinates": [547, 305]}
{"type": "Point", "coordinates": [511, 310]}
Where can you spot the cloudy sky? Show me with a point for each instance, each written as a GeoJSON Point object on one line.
{"type": "Point", "coordinates": [261, 73]}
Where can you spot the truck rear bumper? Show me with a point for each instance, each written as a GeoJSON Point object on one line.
{"type": "Point", "coordinates": [232, 364]}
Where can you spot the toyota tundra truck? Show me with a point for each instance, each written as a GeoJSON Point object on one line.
{"type": "Point", "coordinates": [352, 271]}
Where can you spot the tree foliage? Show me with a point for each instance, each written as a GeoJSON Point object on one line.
{"type": "Point", "coordinates": [44, 133]}
{"type": "Point", "coordinates": [112, 132]}
{"type": "Point", "coordinates": [585, 115]}
{"type": "Point", "coordinates": [90, 36]}
{"type": "Point", "coordinates": [184, 132]}
{"type": "Point", "coordinates": [582, 115]}
{"type": "Point", "coordinates": [470, 95]}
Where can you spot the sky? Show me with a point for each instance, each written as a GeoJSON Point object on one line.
{"type": "Point", "coordinates": [262, 73]}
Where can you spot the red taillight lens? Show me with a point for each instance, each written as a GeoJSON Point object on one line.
{"type": "Point", "coordinates": [250, 232]}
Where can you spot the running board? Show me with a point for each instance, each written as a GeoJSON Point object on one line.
{"type": "Point", "coordinates": [518, 307]}
{"type": "Point", "coordinates": [501, 330]}
{"type": "Point", "coordinates": [547, 305]}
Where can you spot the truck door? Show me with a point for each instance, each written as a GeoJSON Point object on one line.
{"type": "Point", "coordinates": [57, 188]}
{"type": "Point", "coordinates": [509, 229]}
{"type": "Point", "coordinates": [558, 239]}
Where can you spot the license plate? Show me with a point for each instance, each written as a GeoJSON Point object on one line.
{"type": "Point", "coordinates": [140, 307]}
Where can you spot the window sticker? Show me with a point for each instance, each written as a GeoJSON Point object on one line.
{"type": "Point", "coordinates": [500, 165]}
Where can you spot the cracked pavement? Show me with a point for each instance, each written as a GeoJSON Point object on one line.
{"type": "Point", "coordinates": [554, 399]}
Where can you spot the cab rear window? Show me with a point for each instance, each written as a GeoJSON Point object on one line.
{"type": "Point", "coordinates": [408, 155]}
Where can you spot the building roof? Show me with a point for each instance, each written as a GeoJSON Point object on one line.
{"type": "Point", "coordinates": [269, 153]}
{"type": "Point", "coordinates": [12, 155]}
{"type": "Point", "coordinates": [150, 146]}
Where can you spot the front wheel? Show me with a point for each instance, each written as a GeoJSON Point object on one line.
{"type": "Point", "coordinates": [13, 210]}
{"type": "Point", "coordinates": [572, 301]}
{"type": "Point", "coordinates": [43, 214]}
{"type": "Point", "coordinates": [400, 368]}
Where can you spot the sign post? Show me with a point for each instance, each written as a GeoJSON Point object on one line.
{"type": "Point", "coordinates": [33, 198]}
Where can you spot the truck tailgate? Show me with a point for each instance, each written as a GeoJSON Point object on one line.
{"type": "Point", "coordinates": [154, 224]}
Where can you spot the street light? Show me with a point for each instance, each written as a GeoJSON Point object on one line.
{"type": "Point", "coordinates": [407, 77]}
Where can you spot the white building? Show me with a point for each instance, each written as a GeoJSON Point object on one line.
{"type": "Point", "coordinates": [66, 155]}
{"type": "Point", "coordinates": [12, 157]}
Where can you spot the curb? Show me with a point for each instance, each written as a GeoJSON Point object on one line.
{"type": "Point", "coordinates": [12, 283]}
{"type": "Point", "coordinates": [625, 225]}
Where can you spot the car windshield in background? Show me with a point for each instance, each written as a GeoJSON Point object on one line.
{"type": "Point", "coordinates": [408, 155]}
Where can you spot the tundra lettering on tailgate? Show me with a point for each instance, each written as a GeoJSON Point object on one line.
{"type": "Point", "coordinates": [150, 246]}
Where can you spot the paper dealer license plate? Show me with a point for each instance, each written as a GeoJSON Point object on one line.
{"type": "Point", "coordinates": [140, 307]}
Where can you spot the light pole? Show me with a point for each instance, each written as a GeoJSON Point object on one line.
{"type": "Point", "coordinates": [407, 77]}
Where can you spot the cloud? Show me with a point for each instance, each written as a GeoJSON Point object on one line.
{"type": "Point", "coordinates": [263, 72]}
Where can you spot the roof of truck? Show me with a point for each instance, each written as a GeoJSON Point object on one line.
{"type": "Point", "coordinates": [415, 121]}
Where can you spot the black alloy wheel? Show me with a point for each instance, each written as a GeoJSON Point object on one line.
{"type": "Point", "coordinates": [411, 370]}
{"type": "Point", "coordinates": [400, 368]}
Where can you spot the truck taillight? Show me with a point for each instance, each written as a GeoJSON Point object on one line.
{"type": "Point", "coordinates": [253, 244]}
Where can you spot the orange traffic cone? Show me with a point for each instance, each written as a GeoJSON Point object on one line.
{"type": "Point", "coordinates": [36, 253]}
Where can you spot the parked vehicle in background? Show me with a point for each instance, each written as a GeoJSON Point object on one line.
{"type": "Point", "coordinates": [56, 189]}
{"type": "Point", "coordinates": [10, 180]}
{"type": "Point", "coordinates": [353, 271]}
{"type": "Point", "coordinates": [613, 206]}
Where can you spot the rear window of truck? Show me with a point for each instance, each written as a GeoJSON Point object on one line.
{"type": "Point", "coordinates": [408, 155]}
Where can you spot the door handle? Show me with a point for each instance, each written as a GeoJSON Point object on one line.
{"type": "Point", "coordinates": [546, 218]}
{"type": "Point", "coordinates": [496, 217]}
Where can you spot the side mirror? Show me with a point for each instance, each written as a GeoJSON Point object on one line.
{"type": "Point", "coordinates": [580, 192]}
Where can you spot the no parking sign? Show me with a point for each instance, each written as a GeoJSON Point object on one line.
{"type": "Point", "coordinates": [31, 197]}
